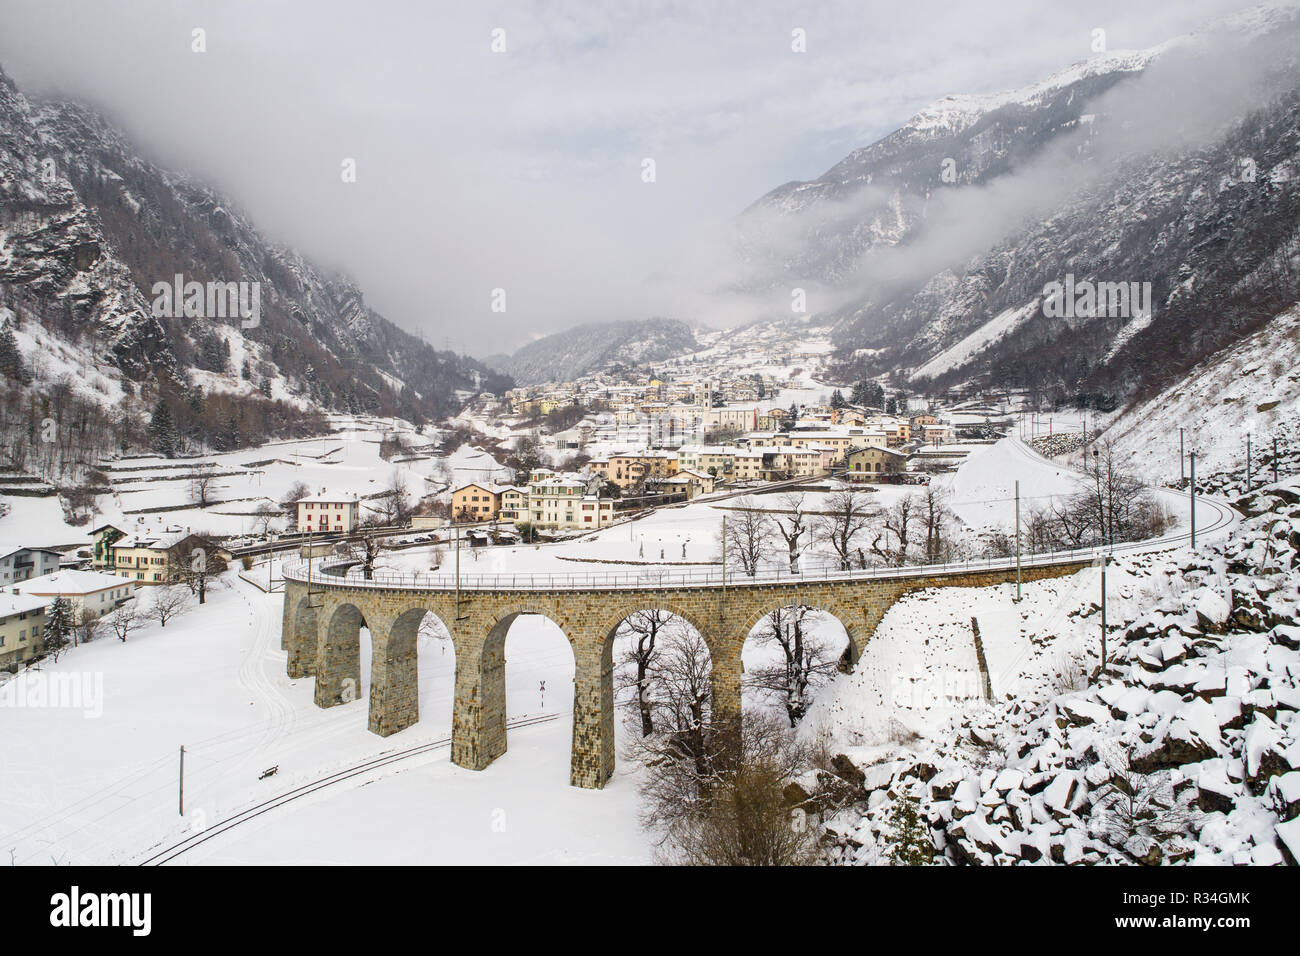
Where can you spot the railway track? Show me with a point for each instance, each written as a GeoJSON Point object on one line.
{"type": "Point", "coordinates": [1224, 517]}
{"type": "Point", "coordinates": [175, 850]}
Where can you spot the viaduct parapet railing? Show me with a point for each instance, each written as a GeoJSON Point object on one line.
{"type": "Point", "coordinates": [346, 572]}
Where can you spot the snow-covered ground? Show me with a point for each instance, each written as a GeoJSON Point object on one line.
{"type": "Point", "coordinates": [1252, 387]}
{"type": "Point", "coordinates": [153, 492]}
{"type": "Point", "coordinates": [919, 671]}
{"type": "Point", "coordinates": [1181, 749]}
{"type": "Point", "coordinates": [97, 782]}
{"type": "Point", "coordinates": [101, 786]}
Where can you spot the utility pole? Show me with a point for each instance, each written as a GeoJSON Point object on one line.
{"type": "Point", "coordinates": [723, 606]}
{"type": "Point", "coordinates": [182, 781]}
{"type": "Point", "coordinates": [1017, 541]}
{"type": "Point", "coordinates": [1182, 462]}
{"type": "Point", "coordinates": [1247, 460]}
{"type": "Point", "coordinates": [1102, 563]}
{"type": "Point", "coordinates": [1192, 460]}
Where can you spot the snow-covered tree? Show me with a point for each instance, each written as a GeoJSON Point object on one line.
{"type": "Point", "coordinates": [59, 625]}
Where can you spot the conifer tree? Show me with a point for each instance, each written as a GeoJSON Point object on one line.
{"type": "Point", "coordinates": [58, 626]}
{"type": "Point", "coordinates": [163, 437]}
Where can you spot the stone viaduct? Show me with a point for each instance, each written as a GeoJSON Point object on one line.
{"type": "Point", "coordinates": [323, 618]}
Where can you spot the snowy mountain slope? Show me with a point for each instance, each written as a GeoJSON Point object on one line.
{"type": "Point", "coordinates": [1177, 166]}
{"type": "Point", "coordinates": [1254, 384]}
{"type": "Point", "coordinates": [1193, 715]}
{"type": "Point", "coordinates": [564, 356]}
{"type": "Point", "coordinates": [968, 349]}
{"type": "Point", "coordinates": [87, 227]}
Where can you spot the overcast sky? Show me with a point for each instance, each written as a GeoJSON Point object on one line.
{"type": "Point", "coordinates": [522, 169]}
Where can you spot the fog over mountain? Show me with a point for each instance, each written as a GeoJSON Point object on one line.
{"type": "Point", "coordinates": [522, 170]}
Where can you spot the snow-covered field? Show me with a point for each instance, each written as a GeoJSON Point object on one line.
{"type": "Point", "coordinates": [97, 782]}
{"type": "Point", "coordinates": [153, 492]}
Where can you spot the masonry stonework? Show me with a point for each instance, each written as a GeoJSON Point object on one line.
{"type": "Point", "coordinates": [321, 633]}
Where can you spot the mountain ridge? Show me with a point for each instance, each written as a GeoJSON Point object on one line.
{"type": "Point", "coordinates": [88, 226]}
{"type": "Point", "coordinates": [569, 354]}
{"type": "Point", "coordinates": [1066, 176]}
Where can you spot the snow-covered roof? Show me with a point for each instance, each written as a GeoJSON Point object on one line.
{"type": "Point", "coordinates": [9, 554]}
{"type": "Point", "coordinates": [166, 538]}
{"type": "Point", "coordinates": [11, 603]}
{"type": "Point", "coordinates": [71, 582]}
{"type": "Point", "coordinates": [329, 499]}
{"type": "Point", "coordinates": [881, 448]}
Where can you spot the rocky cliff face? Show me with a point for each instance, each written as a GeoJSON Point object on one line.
{"type": "Point", "coordinates": [87, 227]}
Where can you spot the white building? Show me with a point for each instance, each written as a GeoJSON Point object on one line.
{"type": "Point", "coordinates": [328, 513]}
{"type": "Point", "coordinates": [27, 563]}
{"type": "Point", "coordinates": [91, 593]}
{"type": "Point", "coordinates": [561, 501]}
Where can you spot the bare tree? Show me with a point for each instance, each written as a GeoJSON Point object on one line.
{"type": "Point", "coordinates": [366, 548]}
{"type": "Point", "coordinates": [124, 619]}
{"type": "Point", "coordinates": [792, 524]}
{"type": "Point", "coordinates": [1141, 809]}
{"type": "Point", "coordinates": [289, 503]}
{"type": "Point", "coordinates": [805, 664]}
{"type": "Point", "coordinates": [748, 536]}
{"type": "Point", "coordinates": [444, 472]}
{"type": "Point", "coordinates": [1112, 507]}
{"type": "Point", "coordinates": [431, 628]}
{"type": "Point", "coordinates": [1039, 534]}
{"type": "Point", "coordinates": [729, 808]}
{"type": "Point", "coordinates": [897, 523]}
{"type": "Point", "coordinates": [684, 688]}
{"type": "Point", "coordinates": [265, 514]}
{"type": "Point", "coordinates": [937, 515]}
{"type": "Point", "coordinates": [195, 561]}
{"type": "Point", "coordinates": [848, 512]}
{"type": "Point", "coordinates": [679, 688]}
{"type": "Point", "coordinates": [394, 503]}
{"type": "Point", "coordinates": [87, 629]}
{"type": "Point", "coordinates": [1111, 494]}
{"type": "Point", "coordinates": [202, 485]}
{"type": "Point", "coordinates": [643, 629]}
{"type": "Point", "coordinates": [169, 601]}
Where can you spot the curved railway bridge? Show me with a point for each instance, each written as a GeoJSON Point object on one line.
{"type": "Point", "coordinates": [327, 605]}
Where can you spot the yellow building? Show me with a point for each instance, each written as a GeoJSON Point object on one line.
{"type": "Point", "coordinates": [22, 623]}
{"type": "Point", "coordinates": [514, 504]}
{"type": "Point", "coordinates": [475, 503]}
{"type": "Point", "coordinates": [867, 464]}
{"type": "Point", "coordinates": [716, 460]}
{"type": "Point", "coordinates": [631, 469]}
{"type": "Point", "coordinates": [146, 556]}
